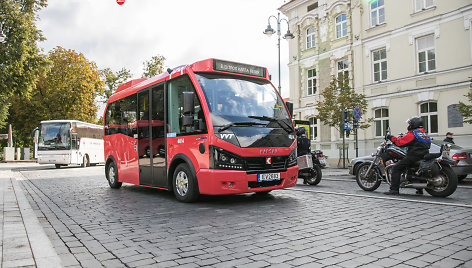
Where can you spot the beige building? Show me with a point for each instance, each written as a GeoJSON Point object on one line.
{"type": "Point", "coordinates": [409, 57]}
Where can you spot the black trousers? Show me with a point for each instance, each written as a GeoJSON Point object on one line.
{"type": "Point", "coordinates": [399, 167]}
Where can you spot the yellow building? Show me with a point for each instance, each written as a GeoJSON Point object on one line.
{"type": "Point", "coordinates": [409, 57]}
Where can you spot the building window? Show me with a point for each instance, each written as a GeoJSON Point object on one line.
{"type": "Point", "coordinates": [310, 37]}
{"type": "Point", "coordinates": [381, 122]}
{"type": "Point", "coordinates": [311, 81]}
{"type": "Point", "coordinates": [429, 114]}
{"type": "Point", "coordinates": [423, 4]}
{"type": "Point", "coordinates": [342, 70]}
{"type": "Point", "coordinates": [313, 128]}
{"type": "Point", "coordinates": [341, 26]}
{"type": "Point", "coordinates": [377, 12]}
{"type": "Point", "coordinates": [426, 54]}
{"type": "Point", "coordinates": [379, 62]}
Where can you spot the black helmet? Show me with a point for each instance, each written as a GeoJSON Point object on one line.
{"type": "Point", "coordinates": [414, 122]}
{"type": "Point", "coordinates": [300, 131]}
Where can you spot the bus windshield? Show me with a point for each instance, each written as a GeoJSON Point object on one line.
{"type": "Point", "coordinates": [54, 136]}
{"type": "Point", "coordinates": [233, 100]}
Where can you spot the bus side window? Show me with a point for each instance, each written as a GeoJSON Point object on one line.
{"type": "Point", "coordinates": [175, 106]}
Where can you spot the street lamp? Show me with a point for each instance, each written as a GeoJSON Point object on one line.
{"type": "Point", "coordinates": [2, 35]}
{"type": "Point", "coordinates": [269, 31]}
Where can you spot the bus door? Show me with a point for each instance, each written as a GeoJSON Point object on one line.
{"type": "Point", "coordinates": [74, 142]}
{"type": "Point", "coordinates": [158, 132]}
{"type": "Point", "coordinates": [144, 141]}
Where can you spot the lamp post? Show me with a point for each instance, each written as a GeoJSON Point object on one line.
{"type": "Point", "coordinates": [269, 31]}
{"type": "Point", "coordinates": [2, 35]}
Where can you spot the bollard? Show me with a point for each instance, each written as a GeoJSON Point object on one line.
{"type": "Point", "coordinates": [26, 153]}
{"type": "Point", "coordinates": [18, 154]}
{"type": "Point", "coordinates": [8, 153]}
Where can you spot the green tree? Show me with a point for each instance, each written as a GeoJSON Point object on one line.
{"type": "Point", "coordinates": [154, 66]}
{"type": "Point", "coordinates": [21, 62]}
{"type": "Point", "coordinates": [113, 80]}
{"type": "Point", "coordinates": [67, 90]}
{"type": "Point", "coordinates": [466, 109]}
{"type": "Point", "coordinates": [339, 97]}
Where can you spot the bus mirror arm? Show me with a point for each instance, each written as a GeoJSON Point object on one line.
{"type": "Point", "coordinates": [33, 132]}
{"type": "Point", "coordinates": [290, 107]}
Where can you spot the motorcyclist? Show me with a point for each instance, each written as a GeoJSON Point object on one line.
{"type": "Point", "coordinates": [303, 143]}
{"type": "Point", "coordinates": [418, 144]}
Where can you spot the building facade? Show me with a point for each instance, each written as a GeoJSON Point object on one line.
{"type": "Point", "coordinates": [409, 57]}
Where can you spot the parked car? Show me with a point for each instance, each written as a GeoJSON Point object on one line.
{"type": "Point", "coordinates": [462, 159]}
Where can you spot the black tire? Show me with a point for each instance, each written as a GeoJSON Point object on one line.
{"type": "Point", "coordinates": [371, 182]}
{"type": "Point", "coordinates": [86, 161]}
{"type": "Point", "coordinates": [315, 177]}
{"type": "Point", "coordinates": [460, 178]}
{"type": "Point", "coordinates": [184, 184]}
{"type": "Point", "coordinates": [111, 172]}
{"type": "Point", "coordinates": [448, 184]}
{"type": "Point", "coordinates": [58, 166]}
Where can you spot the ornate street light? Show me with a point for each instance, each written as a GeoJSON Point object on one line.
{"type": "Point", "coordinates": [269, 31]}
{"type": "Point", "coordinates": [2, 35]}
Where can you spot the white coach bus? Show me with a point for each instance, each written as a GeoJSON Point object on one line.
{"type": "Point", "coordinates": [69, 142]}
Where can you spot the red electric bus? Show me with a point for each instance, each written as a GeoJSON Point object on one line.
{"type": "Point", "coordinates": [213, 127]}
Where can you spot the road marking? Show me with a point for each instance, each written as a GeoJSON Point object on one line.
{"type": "Point", "coordinates": [354, 180]}
{"type": "Point", "coordinates": [383, 198]}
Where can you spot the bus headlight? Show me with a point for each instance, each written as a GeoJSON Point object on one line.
{"type": "Point", "coordinates": [221, 159]}
{"type": "Point", "coordinates": [292, 158]}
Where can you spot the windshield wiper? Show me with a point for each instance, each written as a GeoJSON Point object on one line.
{"type": "Point", "coordinates": [223, 128]}
{"type": "Point", "coordinates": [285, 126]}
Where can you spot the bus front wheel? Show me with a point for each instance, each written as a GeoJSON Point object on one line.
{"type": "Point", "coordinates": [185, 184]}
{"type": "Point", "coordinates": [111, 171]}
{"type": "Point", "coordinates": [86, 161]}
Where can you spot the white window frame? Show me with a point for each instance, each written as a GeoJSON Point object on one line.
{"type": "Point", "coordinates": [379, 62]}
{"type": "Point", "coordinates": [310, 37]}
{"type": "Point", "coordinates": [344, 70]}
{"type": "Point", "coordinates": [423, 4]}
{"type": "Point", "coordinates": [313, 128]}
{"type": "Point", "coordinates": [311, 91]}
{"type": "Point", "coordinates": [426, 50]}
{"type": "Point", "coordinates": [383, 120]}
{"type": "Point", "coordinates": [377, 10]}
{"type": "Point", "coordinates": [342, 26]}
{"type": "Point", "coordinates": [428, 114]}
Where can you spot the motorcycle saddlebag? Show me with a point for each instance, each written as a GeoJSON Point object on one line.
{"type": "Point", "coordinates": [304, 161]}
{"type": "Point", "coordinates": [429, 167]}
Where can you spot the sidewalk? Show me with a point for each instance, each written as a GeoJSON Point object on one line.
{"type": "Point", "coordinates": [24, 242]}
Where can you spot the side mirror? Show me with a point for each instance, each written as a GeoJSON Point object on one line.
{"type": "Point", "coordinates": [33, 132]}
{"type": "Point", "coordinates": [290, 107]}
{"type": "Point", "coordinates": [189, 107]}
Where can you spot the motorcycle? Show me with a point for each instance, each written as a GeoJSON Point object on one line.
{"type": "Point", "coordinates": [433, 173]}
{"type": "Point", "coordinates": [322, 159]}
{"type": "Point", "coordinates": [309, 168]}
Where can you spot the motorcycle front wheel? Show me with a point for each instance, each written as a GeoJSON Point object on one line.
{"type": "Point", "coordinates": [315, 177]}
{"type": "Point", "coordinates": [368, 182]}
{"type": "Point", "coordinates": [444, 184]}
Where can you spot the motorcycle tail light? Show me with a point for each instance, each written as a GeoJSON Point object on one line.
{"type": "Point", "coordinates": [459, 156]}
{"type": "Point", "coordinates": [389, 162]}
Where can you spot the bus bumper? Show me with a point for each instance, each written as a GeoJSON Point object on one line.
{"type": "Point", "coordinates": [222, 182]}
{"type": "Point", "coordinates": [53, 159]}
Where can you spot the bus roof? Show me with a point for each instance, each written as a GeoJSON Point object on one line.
{"type": "Point", "coordinates": [208, 65]}
{"type": "Point", "coordinates": [70, 121]}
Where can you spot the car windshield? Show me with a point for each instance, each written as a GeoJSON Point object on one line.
{"type": "Point", "coordinates": [54, 136]}
{"type": "Point", "coordinates": [232, 100]}
{"type": "Point", "coordinates": [453, 146]}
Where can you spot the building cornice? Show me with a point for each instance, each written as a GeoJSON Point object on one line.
{"type": "Point", "coordinates": [291, 5]}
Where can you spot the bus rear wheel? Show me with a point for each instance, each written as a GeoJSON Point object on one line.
{"type": "Point", "coordinates": [184, 184]}
{"type": "Point", "coordinates": [58, 166]}
{"type": "Point", "coordinates": [111, 171]}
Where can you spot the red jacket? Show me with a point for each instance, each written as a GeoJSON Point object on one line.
{"type": "Point", "coordinates": [417, 142]}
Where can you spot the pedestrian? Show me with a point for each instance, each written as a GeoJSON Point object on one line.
{"type": "Point", "coordinates": [418, 144]}
{"type": "Point", "coordinates": [449, 138]}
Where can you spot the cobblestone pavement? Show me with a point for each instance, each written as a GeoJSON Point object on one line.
{"type": "Point", "coordinates": [91, 225]}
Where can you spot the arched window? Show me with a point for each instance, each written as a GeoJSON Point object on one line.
{"type": "Point", "coordinates": [310, 37]}
{"type": "Point", "coordinates": [341, 26]}
{"type": "Point", "coordinates": [381, 122]}
{"type": "Point", "coordinates": [429, 114]}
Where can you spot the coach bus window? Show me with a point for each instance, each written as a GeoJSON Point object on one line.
{"type": "Point", "coordinates": [175, 106]}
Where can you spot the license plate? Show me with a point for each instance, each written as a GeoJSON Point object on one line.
{"type": "Point", "coordinates": [268, 177]}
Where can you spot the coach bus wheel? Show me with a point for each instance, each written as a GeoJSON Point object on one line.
{"type": "Point", "coordinates": [184, 184]}
{"type": "Point", "coordinates": [86, 162]}
{"type": "Point", "coordinates": [112, 175]}
{"type": "Point", "coordinates": [58, 166]}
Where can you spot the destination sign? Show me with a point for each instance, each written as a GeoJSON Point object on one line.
{"type": "Point", "coordinates": [239, 68]}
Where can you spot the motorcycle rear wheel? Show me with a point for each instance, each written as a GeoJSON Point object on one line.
{"type": "Point", "coordinates": [315, 177]}
{"type": "Point", "coordinates": [448, 186]}
{"type": "Point", "coordinates": [370, 182]}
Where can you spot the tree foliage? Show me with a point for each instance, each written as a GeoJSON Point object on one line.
{"type": "Point", "coordinates": [113, 80]}
{"type": "Point", "coordinates": [339, 97]}
{"type": "Point", "coordinates": [154, 66]}
{"type": "Point", "coordinates": [67, 90]}
{"type": "Point", "coordinates": [466, 109]}
{"type": "Point", "coordinates": [21, 62]}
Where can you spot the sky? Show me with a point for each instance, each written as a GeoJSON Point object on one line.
{"type": "Point", "coordinates": [184, 32]}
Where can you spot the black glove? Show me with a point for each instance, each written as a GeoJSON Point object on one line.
{"type": "Point", "coordinates": [388, 137]}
